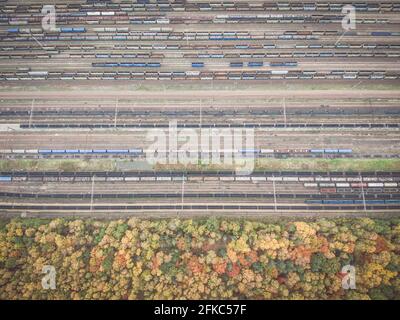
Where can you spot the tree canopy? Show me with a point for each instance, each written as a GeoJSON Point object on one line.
{"type": "Point", "coordinates": [200, 259]}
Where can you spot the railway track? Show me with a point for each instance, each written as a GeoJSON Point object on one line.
{"type": "Point", "coordinates": [43, 208]}
{"type": "Point", "coordinates": [287, 191]}
{"type": "Point", "coordinates": [141, 57]}
{"type": "Point", "coordinates": [200, 41]}
{"type": "Point", "coordinates": [386, 198]}
{"type": "Point", "coordinates": [208, 125]}
{"type": "Point", "coordinates": [136, 143]}
{"type": "Point", "coordinates": [217, 173]}
{"type": "Point", "coordinates": [199, 116]}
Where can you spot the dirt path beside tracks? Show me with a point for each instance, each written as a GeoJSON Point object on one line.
{"type": "Point", "coordinates": [193, 94]}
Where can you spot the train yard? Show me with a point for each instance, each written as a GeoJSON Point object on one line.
{"type": "Point", "coordinates": [111, 73]}
{"type": "Point", "coordinates": [178, 40]}
{"type": "Point", "coordinates": [201, 190]}
{"type": "Point", "coordinates": [135, 144]}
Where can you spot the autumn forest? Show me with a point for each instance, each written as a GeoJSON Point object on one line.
{"type": "Point", "coordinates": [213, 258]}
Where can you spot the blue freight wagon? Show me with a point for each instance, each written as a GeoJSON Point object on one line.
{"type": "Point", "coordinates": [100, 151]}
{"type": "Point", "coordinates": [255, 64]}
{"type": "Point", "coordinates": [197, 64]}
{"type": "Point", "coordinates": [77, 14]}
{"type": "Point", "coordinates": [375, 201]}
{"type": "Point", "coordinates": [5, 178]}
{"type": "Point", "coordinates": [331, 150]}
{"type": "Point", "coordinates": [66, 29]}
{"type": "Point", "coordinates": [73, 30]}
{"type": "Point", "coordinates": [236, 64]}
{"type": "Point", "coordinates": [13, 30]}
{"type": "Point", "coordinates": [338, 201]}
{"type": "Point", "coordinates": [392, 201]}
{"type": "Point", "coordinates": [276, 64]}
{"type": "Point", "coordinates": [103, 65]}
{"type": "Point", "coordinates": [326, 54]}
{"type": "Point", "coordinates": [117, 151]}
{"type": "Point", "coordinates": [79, 29]}
{"type": "Point", "coordinates": [381, 33]}
{"type": "Point", "coordinates": [126, 64]}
